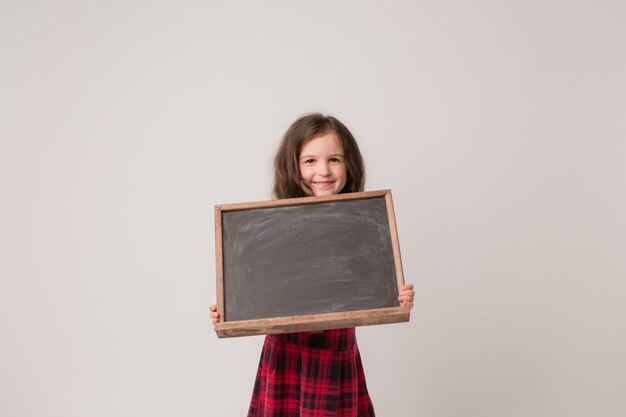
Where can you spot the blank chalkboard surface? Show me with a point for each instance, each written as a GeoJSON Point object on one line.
{"type": "Point", "coordinates": [308, 264]}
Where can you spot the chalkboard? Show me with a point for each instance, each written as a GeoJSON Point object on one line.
{"type": "Point", "coordinates": [308, 264]}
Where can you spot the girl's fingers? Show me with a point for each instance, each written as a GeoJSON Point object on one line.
{"type": "Point", "coordinates": [213, 314]}
{"type": "Point", "coordinates": [407, 293]}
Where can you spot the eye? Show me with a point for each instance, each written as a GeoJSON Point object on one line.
{"type": "Point", "coordinates": [309, 161]}
{"type": "Point", "coordinates": [335, 160]}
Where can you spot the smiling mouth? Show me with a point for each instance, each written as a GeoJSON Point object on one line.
{"type": "Point", "coordinates": [322, 183]}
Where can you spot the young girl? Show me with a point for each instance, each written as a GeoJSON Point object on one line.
{"type": "Point", "coordinates": [314, 374]}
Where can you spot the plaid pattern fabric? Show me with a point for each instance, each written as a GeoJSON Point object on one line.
{"type": "Point", "coordinates": [311, 375]}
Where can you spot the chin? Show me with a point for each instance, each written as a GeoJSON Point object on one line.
{"type": "Point", "coordinates": [323, 193]}
{"type": "Point", "coordinates": [320, 193]}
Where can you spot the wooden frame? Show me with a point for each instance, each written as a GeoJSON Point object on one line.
{"type": "Point", "coordinates": [307, 322]}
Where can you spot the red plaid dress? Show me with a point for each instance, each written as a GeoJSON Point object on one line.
{"type": "Point", "coordinates": [311, 375]}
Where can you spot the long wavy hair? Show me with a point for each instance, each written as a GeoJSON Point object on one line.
{"type": "Point", "coordinates": [287, 179]}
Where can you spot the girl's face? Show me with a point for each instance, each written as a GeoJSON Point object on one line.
{"type": "Point", "coordinates": [322, 165]}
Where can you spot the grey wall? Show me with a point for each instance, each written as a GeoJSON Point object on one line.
{"type": "Point", "coordinates": [499, 126]}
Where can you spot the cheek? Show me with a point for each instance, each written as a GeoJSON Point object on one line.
{"type": "Point", "coordinates": [345, 177]}
{"type": "Point", "coordinates": [305, 173]}
{"type": "Point", "coordinates": [342, 172]}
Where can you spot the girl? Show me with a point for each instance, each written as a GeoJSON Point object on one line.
{"type": "Point", "coordinates": [314, 374]}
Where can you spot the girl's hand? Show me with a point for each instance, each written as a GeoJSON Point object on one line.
{"type": "Point", "coordinates": [214, 315]}
{"type": "Point", "coordinates": [406, 296]}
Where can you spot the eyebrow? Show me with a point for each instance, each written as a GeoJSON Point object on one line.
{"type": "Point", "coordinates": [315, 156]}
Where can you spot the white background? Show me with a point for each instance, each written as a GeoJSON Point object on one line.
{"type": "Point", "coordinates": [500, 127]}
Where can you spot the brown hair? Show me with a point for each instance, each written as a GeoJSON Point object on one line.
{"type": "Point", "coordinates": [287, 181]}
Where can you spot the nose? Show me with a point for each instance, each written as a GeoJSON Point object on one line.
{"type": "Point", "coordinates": [323, 169]}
